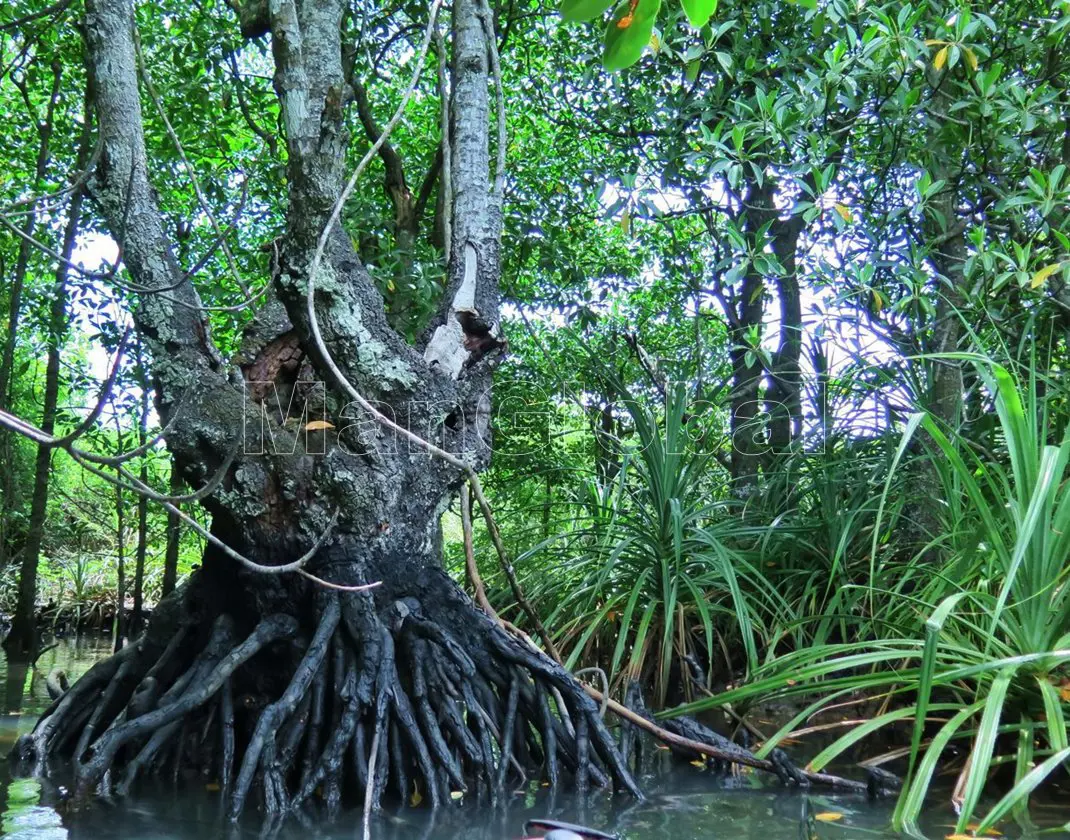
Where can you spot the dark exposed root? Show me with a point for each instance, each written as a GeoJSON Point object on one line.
{"type": "Point", "coordinates": [67, 714]}
{"type": "Point", "coordinates": [508, 731]}
{"type": "Point", "coordinates": [226, 721]}
{"type": "Point", "coordinates": [56, 683]}
{"type": "Point", "coordinates": [217, 665]}
{"type": "Point", "coordinates": [262, 744]}
{"type": "Point", "coordinates": [452, 704]}
{"type": "Point", "coordinates": [730, 753]}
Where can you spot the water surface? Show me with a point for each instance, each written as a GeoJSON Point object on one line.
{"type": "Point", "coordinates": [683, 803]}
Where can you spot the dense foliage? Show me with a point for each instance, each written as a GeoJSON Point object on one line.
{"type": "Point", "coordinates": [784, 413]}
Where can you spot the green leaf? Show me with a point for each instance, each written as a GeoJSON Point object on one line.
{"type": "Point", "coordinates": [913, 797]}
{"type": "Point", "coordinates": [628, 33]}
{"type": "Point", "coordinates": [580, 10]}
{"type": "Point", "coordinates": [1022, 789]}
{"type": "Point", "coordinates": [1042, 275]}
{"type": "Point", "coordinates": [699, 11]}
{"type": "Point", "coordinates": [1054, 714]}
{"type": "Point", "coordinates": [981, 756]}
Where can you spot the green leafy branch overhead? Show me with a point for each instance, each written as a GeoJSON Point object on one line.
{"type": "Point", "coordinates": [631, 27]}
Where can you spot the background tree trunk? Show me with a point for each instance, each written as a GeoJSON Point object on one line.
{"type": "Point", "coordinates": [119, 623]}
{"type": "Point", "coordinates": [136, 615]}
{"type": "Point", "coordinates": [23, 636]}
{"type": "Point", "coordinates": [174, 537]}
{"type": "Point", "coordinates": [45, 128]}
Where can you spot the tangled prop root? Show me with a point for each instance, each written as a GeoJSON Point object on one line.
{"type": "Point", "coordinates": [451, 702]}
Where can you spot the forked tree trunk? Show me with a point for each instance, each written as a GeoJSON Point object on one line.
{"type": "Point", "coordinates": [272, 683]}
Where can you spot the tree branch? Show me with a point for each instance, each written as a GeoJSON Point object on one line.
{"type": "Point", "coordinates": [174, 325]}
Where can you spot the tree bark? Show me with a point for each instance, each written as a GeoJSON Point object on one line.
{"type": "Point", "coordinates": [745, 312]}
{"type": "Point", "coordinates": [411, 665]}
{"type": "Point", "coordinates": [945, 231]}
{"type": "Point", "coordinates": [119, 623]}
{"type": "Point", "coordinates": [783, 397]}
{"type": "Point", "coordinates": [45, 129]}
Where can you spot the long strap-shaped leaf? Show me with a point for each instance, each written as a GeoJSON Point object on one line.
{"type": "Point", "coordinates": [933, 626]}
{"type": "Point", "coordinates": [913, 797]}
{"type": "Point", "coordinates": [981, 758]}
{"type": "Point", "coordinates": [1053, 711]}
{"type": "Point", "coordinates": [1022, 790]}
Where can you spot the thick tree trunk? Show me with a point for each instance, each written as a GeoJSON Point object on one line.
{"type": "Point", "coordinates": [274, 683]}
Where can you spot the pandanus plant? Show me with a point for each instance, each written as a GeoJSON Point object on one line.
{"type": "Point", "coordinates": [979, 654]}
{"type": "Point", "coordinates": [655, 572]}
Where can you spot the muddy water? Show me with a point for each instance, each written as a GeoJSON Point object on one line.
{"type": "Point", "coordinates": [683, 803]}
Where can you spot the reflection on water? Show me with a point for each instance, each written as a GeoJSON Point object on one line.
{"type": "Point", "coordinates": [24, 818]}
{"type": "Point", "coordinates": [683, 804]}
{"type": "Point", "coordinates": [25, 695]}
{"type": "Point", "coordinates": [25, 809]}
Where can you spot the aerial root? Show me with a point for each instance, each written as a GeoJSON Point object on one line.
{"type": "Point", "coordinates": [689, 739]}
{"type": "Point", "coordinates": [444, 718]}
{"type": "Point", "coordinates": [450, 710]}
{"type": "Point", "coordinates": [261, 750]}
{"type": "Point", "coordinates": [215, 664]}
{"type": "Point", "coordinates": [64, 718]}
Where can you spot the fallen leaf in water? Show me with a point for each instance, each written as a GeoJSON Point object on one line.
{"type": "Point", "coordinates": [697, 763]}
{"type": "Point", "coordinates": [456, 794]}
{"type": "Point", "coordinates": [972, 827]}
{"type": "Point", "coordinates": [828, 816]}
{"type": "Point", "coordinates": [212, 787]}
{"type": "Point", "coordinates": [416, 798]}
{"type": "Point", "coordinates": [316, 425]}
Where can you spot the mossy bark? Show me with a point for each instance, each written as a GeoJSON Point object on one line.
{"type": "Point", "coordinates": [270, 683]}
